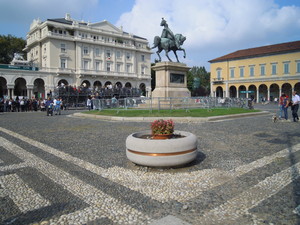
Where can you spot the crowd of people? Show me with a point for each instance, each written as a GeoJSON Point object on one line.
{"type": "Point", "coordinates": [101, 92]}
{"type": "Point", "coordinates": [26, 105]}
{"type": "Point", "coordinates": [22, 104]}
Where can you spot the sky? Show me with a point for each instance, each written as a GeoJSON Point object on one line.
{"type": "Point", "coordinates": [213, 28]}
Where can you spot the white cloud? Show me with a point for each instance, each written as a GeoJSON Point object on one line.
{"type": "Point", "coordinates": [215, 27]}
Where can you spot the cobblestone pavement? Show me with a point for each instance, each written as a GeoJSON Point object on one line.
{"type": "Point", "coordinates": [66, 170]}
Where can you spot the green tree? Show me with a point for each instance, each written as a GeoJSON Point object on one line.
{"type": "Point", "coordinates": [8, 46]}
{"type": "Point", "coordinates": [198, 80]}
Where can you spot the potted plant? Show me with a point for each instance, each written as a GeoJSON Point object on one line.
{"type": "Point", "coordinates": [162, 129]}
{"type": "Point", "coordinates": [143, 149]}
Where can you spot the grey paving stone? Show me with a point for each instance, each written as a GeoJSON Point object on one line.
{"type": "Point", "coordinates": [169, 220]}
{"type": "Point", "coordinates": [223, 147]}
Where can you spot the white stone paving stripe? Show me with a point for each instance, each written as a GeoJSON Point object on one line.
{"type": "Point", "coordinates": [157, 185]}
{"type": "Point", "coordinates": [265, 160]}
{"type": "Point", "coordinates": [102, 205]}
{"type": "Point", "coordinates": [53, 151]}
{"type": "Point", "coordinates": [239, 205]}
{"type": "Point", "coordinates": [297, 210]}
{"type": "Point", "coordinates": [21, 194]}
{"type": "Point", "coordinates": [13, 167]}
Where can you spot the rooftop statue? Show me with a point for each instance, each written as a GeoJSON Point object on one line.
{"type": "Point", "coordinates": [18, 56]}
{"type": "Point", "coordinates": [168, 41]}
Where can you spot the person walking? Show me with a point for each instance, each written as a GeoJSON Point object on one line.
{"type": "Point", "coordinates": [49, 106]}
{"type": "Point", "coordinates": [58, 103]}
{"type": "Point", "coordinates": [295, 106]}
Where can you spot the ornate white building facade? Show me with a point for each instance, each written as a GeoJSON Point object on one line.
{"type": "Point", "coordinates": [75, 53]}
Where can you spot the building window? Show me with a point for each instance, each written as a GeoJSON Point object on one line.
{"type": "Point", "coordinates": [97, 52]}
{"type": "Point", "coordinates": [241, 71]}
{"type": "Point", "coordinates": [85, 50]}
{"type": "Point", "coordinates": [62, 47]}
{"type": "Point", "coordinates": [118, 68]}
{"type": "Point", "coordinates": [128, 55]}
{"type": "Point", "coordinates": [143, 58]}
{"type": "Point", "coordinates": [274, 69]}
{"type": "Point", "coordinates": [86, 64]}
{"type": "Point", "coordinates": [219, 72]}
{"type": "Point", "coordinates": [63, 64]}
{"type": "Point", "coordinates": [143, 69]}
{"type": "Point", "coordinates": [107, 66]}
{"type": "Point", "coordinates": [108, 54]}
{"type": "Point", "coordinates": [97, 65]}
{"type": "Point", "coordinates": [118, 54]}
{"type": "Point", "coordinates": [128, 68]}
{"type": "Point", "coordinates": [263, 70]}
{"type": "Point", "coordinates": [231, 72]}
{"type": "Point", "coordinates": [286, 68]}
{"type": "Point", "coordinates": [298, 67]}
{"type": "Point", "coordinates": [251, 71]}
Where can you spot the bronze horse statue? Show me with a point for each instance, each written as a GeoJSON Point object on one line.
{"type": "Point", "coordinates": [168, 44]}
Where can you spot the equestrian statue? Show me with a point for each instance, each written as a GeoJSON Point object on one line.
{"type": "Point", "coordinates": [168, 41]}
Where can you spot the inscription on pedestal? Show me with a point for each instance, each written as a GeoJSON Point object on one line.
{"type": "Point", "coordinates": [177, 78]}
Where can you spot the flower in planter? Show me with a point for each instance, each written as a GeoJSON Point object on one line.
{"type": "Point", "coordinates": [162, 127]}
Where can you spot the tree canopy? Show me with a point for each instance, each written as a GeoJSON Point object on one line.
{"type": "Point", "coordinates": [8, 46]}
{"type": "Point", "coordinates": [198, 81]}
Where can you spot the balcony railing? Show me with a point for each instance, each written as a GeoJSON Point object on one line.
{"type": "Point", "coordinates": [218, 80]}
{"type": "Point", "coordinates": [88, 39]}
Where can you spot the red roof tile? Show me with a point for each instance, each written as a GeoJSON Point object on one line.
{"type": "Point", "coordinates": [260, 51]}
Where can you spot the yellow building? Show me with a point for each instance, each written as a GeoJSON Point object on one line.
{"type": "Point", "coordinates": [260, 73]}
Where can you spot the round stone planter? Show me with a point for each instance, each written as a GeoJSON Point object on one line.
{"type": "Point", "coordinates": [161, 153]}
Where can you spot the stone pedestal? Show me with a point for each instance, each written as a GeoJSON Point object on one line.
{"type": "Point", "coordinates": [171, 80]}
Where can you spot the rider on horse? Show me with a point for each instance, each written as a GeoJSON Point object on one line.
{"type": "Point", "coordinates": [168, 42]}
{"type": "Point", "coordinates": [167, 33]}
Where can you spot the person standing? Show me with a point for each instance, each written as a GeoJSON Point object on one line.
{"type": "Point", "coordinates": [285, 106]}
{"type": "Point", "coordinates": [295, 106]}
{"type": "Point", "coordinates": [281, 107]}
{"type": "Point", "coordinates": [89, 103]}
{"type": "Point", "coordinates": [22, 104]}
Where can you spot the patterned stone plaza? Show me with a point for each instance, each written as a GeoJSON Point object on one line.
{"type": "Point", "coordinates": [69, 170]}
